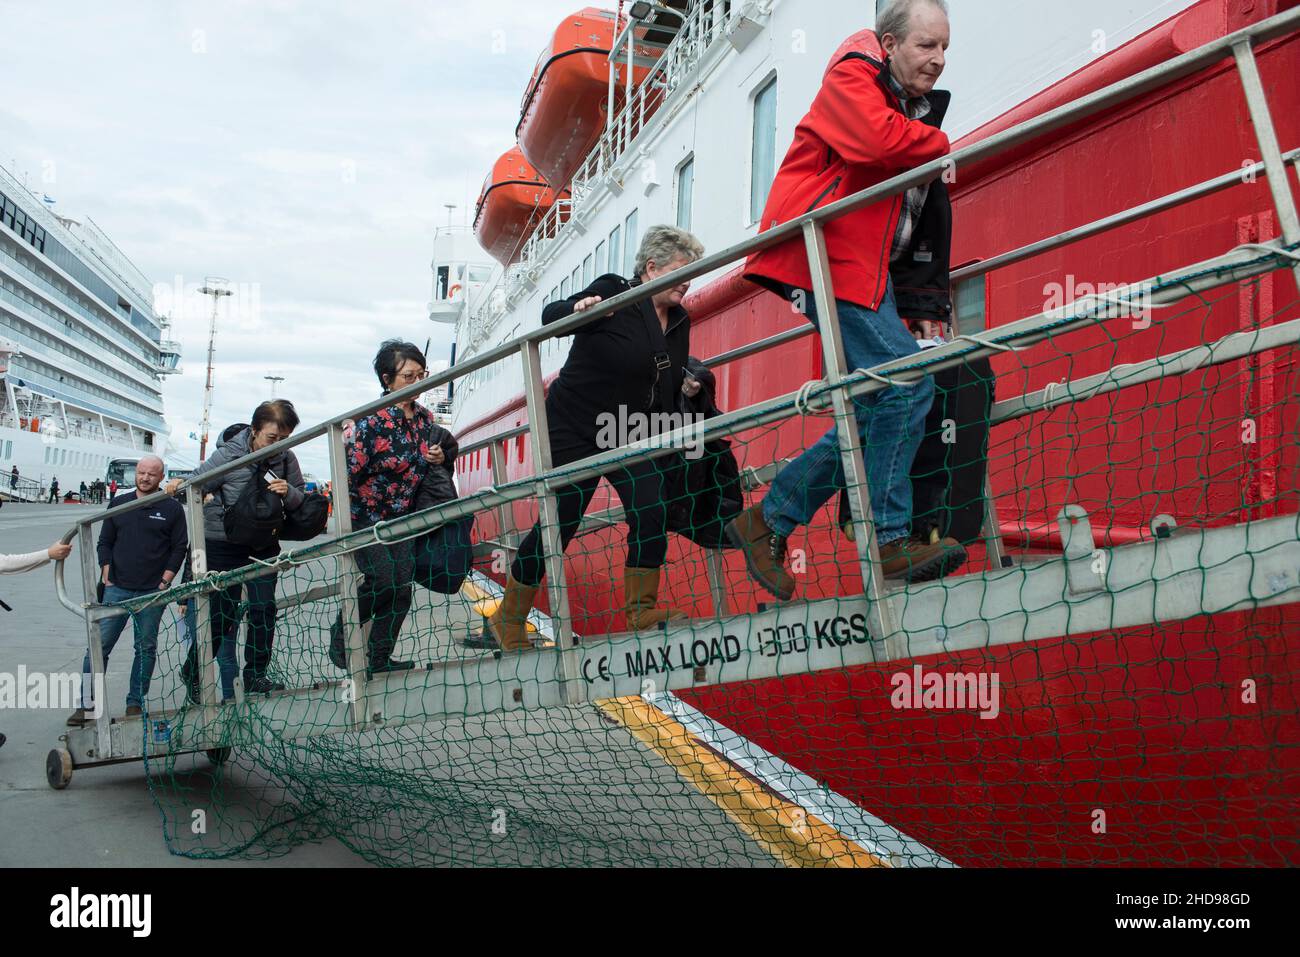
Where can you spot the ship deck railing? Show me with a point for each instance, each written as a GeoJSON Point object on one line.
{"type": "Point", "coordinates": [1176, 574]}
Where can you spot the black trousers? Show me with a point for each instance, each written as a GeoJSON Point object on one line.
{"type": "Point", "coordinates": [226, 556]}
{"type": "Point", "coordinates": [641, 489]}
{"type": "Point", "coordinates": [385, 593]}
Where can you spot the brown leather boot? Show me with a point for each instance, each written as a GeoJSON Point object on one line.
{"type": "Point", "coordinates": [509, 623]}
{"type": "Point", "coordinates": [641, 587]}
{"type": "Point", "coordinates": [764, 551]}
{"type": "Point", "coordinates": [916, 560]}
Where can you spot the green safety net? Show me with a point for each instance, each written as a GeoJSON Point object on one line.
{"type": "Point", "coordinates": [1171, 743]}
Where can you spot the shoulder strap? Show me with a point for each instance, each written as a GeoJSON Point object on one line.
{"type": "Point", "coordinates": [855, 55]}
{"type": "Point", "coordinates": [660, 357]}
{"type": "Point", "coordinates": [252, 469]}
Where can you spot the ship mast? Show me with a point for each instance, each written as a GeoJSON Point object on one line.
{"type": "Point", "coordinates": [216, 288]}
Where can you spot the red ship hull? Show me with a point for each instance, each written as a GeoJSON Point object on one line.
{"type": "Point", "coordinates": [1142, 746]}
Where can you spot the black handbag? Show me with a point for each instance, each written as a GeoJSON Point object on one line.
{"type": "Point", "coordinates": [256, 517]}
{"type": "Point", "coordinates": [307, 520]}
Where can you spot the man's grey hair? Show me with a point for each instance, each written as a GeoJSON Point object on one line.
{"type": "Point", "coordinates": [663, 244]}
{"type": "Point", "coordinates": [896, 18]}
{"type": "Point", "coordinates": [150, 459]}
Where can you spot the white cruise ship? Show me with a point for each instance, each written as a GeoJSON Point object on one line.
{"type": "Point", "coordinates": [82, 353]}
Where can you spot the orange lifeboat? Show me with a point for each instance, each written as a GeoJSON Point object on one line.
{"type": "Point", "coordinates": [512, 202]}
{"type": "Point", "coordinates": [566, 105]}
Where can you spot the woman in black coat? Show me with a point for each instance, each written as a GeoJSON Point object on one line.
{"type": "Point", "coordinates": [622, 369]}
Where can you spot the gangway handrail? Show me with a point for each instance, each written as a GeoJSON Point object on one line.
{"type": "Point", "coordinates": [1118, 92]}
{"type": "Point", "coordinates": [1237, 264]}
{"type": "Point", "coordinates": [838, 387]}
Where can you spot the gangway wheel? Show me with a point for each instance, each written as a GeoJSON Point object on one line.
{"type": "Point", "coordinates": [58, 768]}
{"type": "Point", "coordinates": [218, 756]}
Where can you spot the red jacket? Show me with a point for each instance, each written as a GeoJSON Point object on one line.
{"type": "Point", "coordinates": [855, 135]}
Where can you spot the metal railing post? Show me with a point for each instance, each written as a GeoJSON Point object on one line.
{"type": "Point", "coordinates": [506, 533]}
{"type": "Point", "coordinates": [991, 531]}
{"type": "Point", "coordinates": [90, 577]}
{"type": "Point", "coordinates": [881, 619]}
{"type": "Point", "coordinates": [1261, 119]}
{"type": "Point", "coordinates": [202, 599]}
{"type": "Point", "coordinates": [717, 581]}
{"type": "Point", "coordinates": [549, 516]}
{"type": "Point", "coordinates": [354, 633]}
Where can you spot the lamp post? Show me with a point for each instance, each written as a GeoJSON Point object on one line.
{"type": "Point", "coordinates": [216, 288]}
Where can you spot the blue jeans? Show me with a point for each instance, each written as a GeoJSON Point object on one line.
{"type": "Point", "coordinates": [891, 424]}
{"type": "Point", "coordinates": [146, 643]}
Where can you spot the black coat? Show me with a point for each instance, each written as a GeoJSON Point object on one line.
{"type": "Point", "coordinates": [622, 360]}
{"type": "Point", "coordinates": [706, 492]}
{"type": "Point", "coordinates": [920, 275]}
{"type": "Point", "coordinates": [437, 488]}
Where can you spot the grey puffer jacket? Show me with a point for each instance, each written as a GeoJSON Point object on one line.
{"type": "Point", "coordinates": [227, 489]}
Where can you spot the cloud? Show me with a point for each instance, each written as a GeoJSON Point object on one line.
{"type": "Point", "coordinates": [302, 150]}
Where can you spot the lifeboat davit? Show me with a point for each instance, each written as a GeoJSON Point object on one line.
{"type": "Point", "coordinates": [566, 105]}
{"type": "Point", "coordinates": [512, 202]}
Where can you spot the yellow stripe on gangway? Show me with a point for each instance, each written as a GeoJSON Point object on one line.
{"type": "Point", "coordinates": [783, 829]}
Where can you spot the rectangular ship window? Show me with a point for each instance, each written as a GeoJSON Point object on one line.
{"type": "Point", "coordinates": [615, 249]}
{"type": "Point", "coordinates": [685, 191]}
{"type": "Point", "coordinates": [762, 166]}
{"type": "Point", "coordinates": [968, 306]}
{"type": "Point", "coordinates": [630, 239]}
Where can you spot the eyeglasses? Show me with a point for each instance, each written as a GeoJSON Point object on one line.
{"type": "Point", "coordinates": [411, 376]}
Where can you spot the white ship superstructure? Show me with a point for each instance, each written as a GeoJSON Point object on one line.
{"type": "Point", "coordinates": [730, 86]}
{"type": "Point", "coordinates": [81, 351]}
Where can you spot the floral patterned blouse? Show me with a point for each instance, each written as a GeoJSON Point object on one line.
{"type": "Point", "coordinates": [386, 463]}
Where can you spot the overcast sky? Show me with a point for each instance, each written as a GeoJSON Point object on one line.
{"type": "Point", "coordinates": [303, 150]}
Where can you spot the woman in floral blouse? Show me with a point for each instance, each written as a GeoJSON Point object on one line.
{"type": "Point", "coordinates": [388, 456]}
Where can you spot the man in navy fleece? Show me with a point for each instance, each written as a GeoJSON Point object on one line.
{"type": "Point", "coordinates": [140, 553]}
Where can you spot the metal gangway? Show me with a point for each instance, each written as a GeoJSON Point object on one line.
{"type": "Point", "coordinates": [1177, 574]}
{"type": "Point", "coordinates": [22, 490]}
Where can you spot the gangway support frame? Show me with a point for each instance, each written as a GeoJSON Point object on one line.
{"type": "Point", "coordinates": [1197, 572]}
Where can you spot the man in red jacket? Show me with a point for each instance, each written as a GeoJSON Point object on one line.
{"type": "Point", "coordinates": [870, 121]}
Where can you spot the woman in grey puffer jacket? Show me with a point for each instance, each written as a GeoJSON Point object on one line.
{"type": "Point", "coordinates": [272, 422]}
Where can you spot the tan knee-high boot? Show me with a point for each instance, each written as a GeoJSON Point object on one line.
{"type": "Point", "coordinates": [641, 587]}
{"type": "Point", "coordinates": [509, 623]}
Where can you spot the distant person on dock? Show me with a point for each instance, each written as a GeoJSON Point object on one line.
{"type": "Point", "coordinates": [281, 475]}
{"type": "Point", "coordinates": [14, 564]}
{"type": "Point", "coordinates": [112, 490]}
{"type": "Point", "coordinates": [627, 365]}
{"type": "Point", "coordinates": [389, 452]}
{"type": "Point", "coordinates": [139, 554]}
{"type": "Point", "coordinates": [54, 492]}
{"type": "Point", "coordinates": [876, 115]}
{"type": "Point", "coordinates": [13, 477]}
{"type": "Point", "coordinates": [82, 495]}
